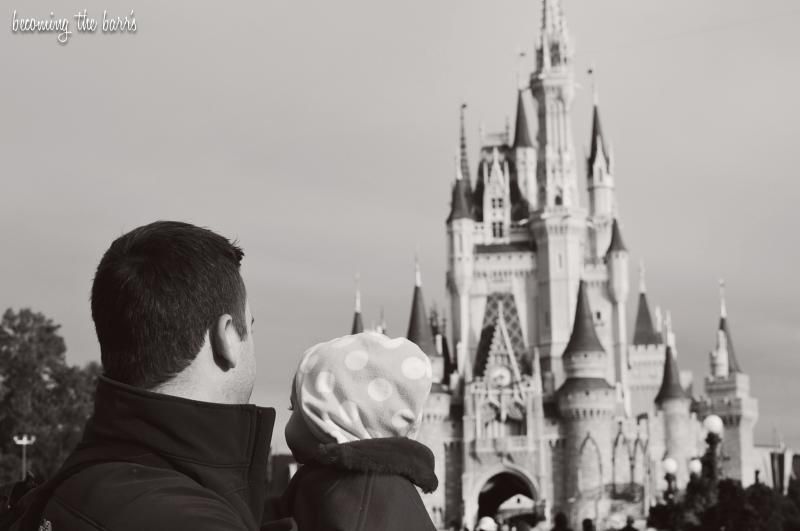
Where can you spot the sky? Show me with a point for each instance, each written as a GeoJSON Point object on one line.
{"type": "Point", "coordinates": [321, 135]}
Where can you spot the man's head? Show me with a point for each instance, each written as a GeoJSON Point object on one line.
{"type": "Point", "coordinates": [171, 314]}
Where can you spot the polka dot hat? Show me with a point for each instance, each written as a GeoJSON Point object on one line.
{"type": "Point", "coordinates": [363, 386]}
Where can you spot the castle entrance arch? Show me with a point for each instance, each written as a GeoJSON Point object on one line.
{"type": "Point", "coordinates": [505, 494]}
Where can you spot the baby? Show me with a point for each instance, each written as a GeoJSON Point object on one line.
{"type": "Point", "coordinates": [356, 408]}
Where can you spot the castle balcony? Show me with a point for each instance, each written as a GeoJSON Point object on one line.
{"type": "Point", "coordinates": [502, 445]}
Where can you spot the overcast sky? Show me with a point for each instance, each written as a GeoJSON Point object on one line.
{"type": "Point", "coordinates": [321, 135]}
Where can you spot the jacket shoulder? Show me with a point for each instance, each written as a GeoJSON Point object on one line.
{"type": "Point", "coordinates": [129, 496]}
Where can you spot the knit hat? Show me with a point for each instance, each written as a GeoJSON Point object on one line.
{"type": "Point", "coordinates": [363, 386]}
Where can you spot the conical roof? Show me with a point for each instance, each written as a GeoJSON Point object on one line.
{"type": "Point", "coordinates": [461, 202]}
{"type": "Point", "coordinates": [358, 324]}
{"type": "Point", "coordinates": [584, 337]}
{"type": "Point", "coordinates": [616, 245]}
{"type": "Point", "coordinates": [463, 149]}
{"type": "Point", "coordinates": [733, 363]}
{"type": "Point", "coordinates": [644, 333]}
{"type": "Point", "coordinates": [419, 328]}
{"type": "Point", "coordinates": [522, 133]}
{"type": "Point", "coordinates": [598, 142]}
{"type": "Point", "coordinates": [671, 380]}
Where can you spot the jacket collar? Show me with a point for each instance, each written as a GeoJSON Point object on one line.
{"type": "Point", "coordinates": [223, 447]}
{"type": "Point", "coordinates": [178, 428]}
{"type": "Point", "coordinates": [391, 455]}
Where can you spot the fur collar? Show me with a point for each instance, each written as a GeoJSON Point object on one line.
{"type": "Point", "coordinates": [391, 455]}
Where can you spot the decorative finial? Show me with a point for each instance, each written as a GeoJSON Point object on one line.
{"type": "Point", "coordinates": [520, 66]}
{"type": "Point", "coordinates": [670, 336]}
{"type": "Point", "coordinates": [723, 310]}
{"type": "Point", "coordinates": [508, 130]}
{"type": "Point", "coordinates": [642, 287]}
{"type": "Point", "coordinates": [482, 133]}
{"type": "Point", "coordinates": [459, 173]}
{"type": "Point", "coordinates": [417, 273]}
{"type": "Point", "coordinates": [358, 293]}
{"type": "Point", "coordinates": [595, 96]}
{"type": "Point", "coordinates": [659, 319]}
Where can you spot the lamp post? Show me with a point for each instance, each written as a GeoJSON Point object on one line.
{"type": "Point", "coordinates": [670, 466]}
{"type": "Point", "coordinates": [24, 441]}
{"type": "Point", "coordinates": [714, 425]}
{"type": "Point", "coordinates": [695, 467]}
{"type": "Point", "coordinates": [670, 469]}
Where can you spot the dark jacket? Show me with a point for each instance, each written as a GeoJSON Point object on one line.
{"type": "Point", "coordinates": [175, 464]}
{"type": "Point", "coordinates": [365, 485]}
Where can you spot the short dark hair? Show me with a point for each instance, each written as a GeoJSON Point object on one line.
{"type": "Point", "coordinates": [157, 291]}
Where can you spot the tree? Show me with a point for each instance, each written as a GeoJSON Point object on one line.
{"type": "Point", "coordinates": [40, 394]}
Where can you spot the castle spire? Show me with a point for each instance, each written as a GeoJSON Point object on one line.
{"type": "Point", "coordinates": [522, 135]}
{"type": "Point", "coordinates": [644, 333]}
{"type": "Point", "coordinates": [553, 17]}
{"type": "Point", "coordinates": [598, 147]}
{"type": "Point", "coordinates": [461, 201]}
{"type": "Point", "coordinates": [358, 323]}
{"type": "Point", "coordinates": [554, 47]}
{"type": "Point", "coordinates": [671, 379]}
{"type": "Point", "coordinates": [723, 310]}
{"type": "Point", "coordinates": [733, 363]}
{"type": "Point", "coordinates": [584, 336]}
{"type": "Point", "coordinates": [419, 328]}
{"type": "Point", "coordinates": [463, 148]}
{"type": "Point", "coordinates": [642, 285]}
{"type": "Point", "coordinates": [616, 245]}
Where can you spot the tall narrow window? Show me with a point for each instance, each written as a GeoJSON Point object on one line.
{"type": "Point", "coordinates": [497, 229]}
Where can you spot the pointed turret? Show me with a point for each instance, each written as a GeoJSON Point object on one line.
{"type": "Point", "coordinates": [419, 329]}
{"type": "Point", "coordinates": [733, 364]}
{"type": "Point", "coordinates": [463, 149]}
{"type": "Point", "coordinates": [644, 332]}
{"type": "Point", "coordinates": [671, 380]}
{"type": "Point", "coordinates": [461, 202]}
{"type": "Point", "coordinates": [522, 133]}
{"type": "Point", "coordinates": [671, 387]}
{"type": "Point", "coordinates": [616, 245]}
{"type": "Point", "coordinates": [598, 148]}
{"type": "Point", "coordinates": [584, 336]}
{"type": "Point", "coordinates": [358, 324]}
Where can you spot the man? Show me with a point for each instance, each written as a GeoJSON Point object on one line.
{"type": "Point", "coordinates": [172, 444]}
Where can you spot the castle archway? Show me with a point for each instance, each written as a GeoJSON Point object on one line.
{"type": "Point", "coordinates": [504, 493]}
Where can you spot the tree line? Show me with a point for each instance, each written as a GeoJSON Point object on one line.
{"type": "Point", "coordinates": [40, 395]}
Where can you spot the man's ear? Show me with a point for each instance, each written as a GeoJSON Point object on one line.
{"type": "Point", "coordinates": [224, 342]}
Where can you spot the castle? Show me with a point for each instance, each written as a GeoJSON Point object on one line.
{"type": "Point", "coordinates": [546, 396]}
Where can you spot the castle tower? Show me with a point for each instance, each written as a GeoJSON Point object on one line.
{"type": "Point", "coordinates": [559, 224]}
{"type": "Point", "coordinates": [728, 390]}
{"type": "Point", "coordinates": [616, 257]}
{"type": "Point", "coordinates": [460, 260]}
{"type": "Point", "coordinates": [358, 323]}
{"type": "Point", "coordinates": [645, 354]}
{"type": "Point", "coordinates": [553, 87]}
{"type": "Point", "coordinates": [419, 328]}
{"type": "Point", "coordinates": [673, 403]}
{"type": "Point", "coordinates": [438, 430]}
{"type": "Point", "coordinates": [586, 403]}
{"type": "Point", "coordinates": [600, 180]}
